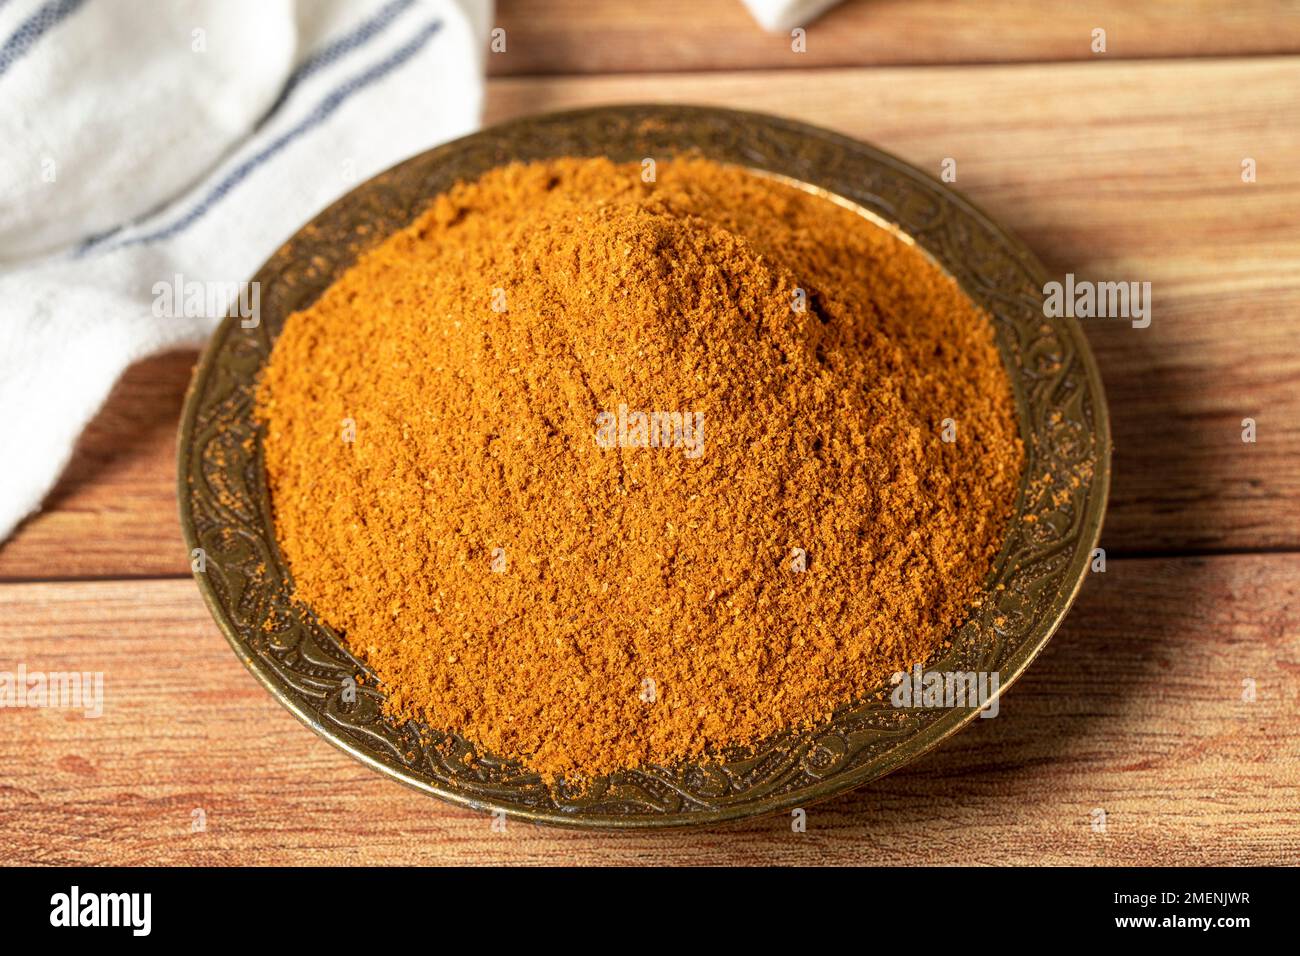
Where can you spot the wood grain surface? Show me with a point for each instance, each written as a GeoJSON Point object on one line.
{"type": "Point", "coordinates": [636, 36]}
{"type": "Point", "coordinates": [1123, 168]}
{"type": "Point", "coordinates": [1140, 715]}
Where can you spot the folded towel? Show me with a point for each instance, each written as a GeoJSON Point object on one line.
{"type": "Point", "coordinates": [153, 148]}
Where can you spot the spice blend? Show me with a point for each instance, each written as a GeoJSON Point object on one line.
{"type": "Point", "coordinates": [469, 482]}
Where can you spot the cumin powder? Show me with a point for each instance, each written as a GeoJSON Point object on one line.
{"type": "Point", "coordinates": [456, 446]}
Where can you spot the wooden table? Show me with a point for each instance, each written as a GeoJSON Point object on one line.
{"type": "Point", "coordinates": [1123, 165]}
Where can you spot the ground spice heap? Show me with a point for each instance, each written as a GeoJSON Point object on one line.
{"type": "Point", "coordinates": [446, 499]}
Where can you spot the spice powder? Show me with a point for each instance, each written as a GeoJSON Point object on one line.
{"type": "Point", "coordinates": [470, 482]}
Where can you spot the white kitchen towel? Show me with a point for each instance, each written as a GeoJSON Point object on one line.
{"type": "Point", "coordinates": [145, 143]}
{"type": "Point", "coordinates": [781, 15]}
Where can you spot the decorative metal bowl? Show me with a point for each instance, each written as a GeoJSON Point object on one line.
{"type": "Point", "coordinates": [225, 507]}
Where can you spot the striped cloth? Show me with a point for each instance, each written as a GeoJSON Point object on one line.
{"type": "Point", "coordinates": [148, 142]}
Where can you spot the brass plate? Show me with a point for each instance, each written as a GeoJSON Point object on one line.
{"type": "Point", "coordinates": [225, 508]}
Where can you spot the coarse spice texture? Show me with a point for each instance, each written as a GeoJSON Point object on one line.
{"type": "Point", "coordinates": [463, 485]}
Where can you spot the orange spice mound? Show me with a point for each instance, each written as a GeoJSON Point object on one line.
{"type": "Point", "coordinates": [520, 568]}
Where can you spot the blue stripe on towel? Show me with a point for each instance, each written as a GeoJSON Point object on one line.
{"type": "Point", "coordinates": [325, 56]}
{"type": "Point", "coordinates": [351, 41]}
{"type": "Point", "coordinates": [315, 118]}
{"type": "Point", "coordinates": [332, 52]}
{"type": "Point", "coordinates": [33, 28]}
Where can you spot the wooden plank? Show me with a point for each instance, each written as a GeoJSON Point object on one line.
{"type": "Point", "coordinates": [631, 36]}
{"type": "Point", "coordinates": [1135, 708]}
{"type": "Point", "coordinates": [1142, 183]}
